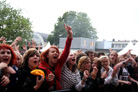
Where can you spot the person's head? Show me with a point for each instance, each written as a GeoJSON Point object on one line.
{"type": "Point", "coordinates": [71, 60]}
{"type": "Point", "coordinates": [105, 61]}
{"type": "Point", "coordinates": [96, 63]}
{"type": "Point", "coordinates": [7, 54]}
{"type": "Point", "coordinates": [100, 54]}
{"type": "Point", "coordinates": [31, 58]}
{"type": "Point", "coordinates": [120, 59]}
{"type": "Point", "coordinates": [113, 57]}
{"type": "Point", "coordinates": [51, 55]}
{"type": "Point", "coordinates": [79, 56]}
{"type": "Point", "coordinates": [19, 59]}
{"type": "Point", "coordinates": [90, 54]}
{"type": "Point", "coordinates": [84, 63]}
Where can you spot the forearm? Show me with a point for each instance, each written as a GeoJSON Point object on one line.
{"type": "Point", "coordinates": [131, 79]}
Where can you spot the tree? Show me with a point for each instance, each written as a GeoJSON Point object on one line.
{"type": "Point", "coordinates": [80, 23]}
{"type": "Point", "coordinates": [13, 24]}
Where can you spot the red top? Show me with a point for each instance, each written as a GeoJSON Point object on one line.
{"type": "Point", "coordinates": [43, 65]}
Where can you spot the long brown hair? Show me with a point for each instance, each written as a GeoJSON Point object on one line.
{"type": "Point", "coordinates": [29, 53]}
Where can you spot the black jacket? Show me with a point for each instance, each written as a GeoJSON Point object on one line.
{"type": "Point", "coordinates": [26, 81]}
{"type": "Point", "coordinates": [92, 85]}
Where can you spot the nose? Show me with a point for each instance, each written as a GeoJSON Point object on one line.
{"type": "Point", "coordinates": [35, 56]}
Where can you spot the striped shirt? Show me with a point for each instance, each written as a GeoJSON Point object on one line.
{"type": "Point", "coordinates": [70, 79]}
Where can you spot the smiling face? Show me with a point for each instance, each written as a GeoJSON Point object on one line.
{"type": "Point", "coordinates": [105, 61]}
{"type": "Point", "coordinates": [94, 63]}
{"type": "Point", "coordinates": [52, 56]}
{"type": "Point", "coordinates": [87, 64]}
{"type": "Point", "coordinates": [5, 55]}
{"type": "Point", "coordinates": [33, 62]}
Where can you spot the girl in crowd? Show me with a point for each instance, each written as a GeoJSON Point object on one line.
{"type": "Point", "coordinates": [52, 61]}
{"type": "Point", "coordinates": [7, 59]}
{"type": "Point", "coordinates": [70, 76]}
{"type": "Point", "coordinates": [113, 58]}
{"type": "Point", "coordinates": [93, 81]}
{"type": "Point", "coordinates": [110, 82]}
{"type": "Point", "coordinates": [26, 81]}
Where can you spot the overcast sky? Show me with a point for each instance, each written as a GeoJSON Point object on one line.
{"type": "Point", "coordinates": [116, 19]}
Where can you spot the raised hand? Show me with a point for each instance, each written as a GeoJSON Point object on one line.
{"type": "Point", "coordinates": [86, 74]}
{"type": "Point", "coordinates": [94, 72]}
{"type": "Point", "coordinates": [69, 31]}
{"type": "Point", "coordinates": [51, 77]}
{"type": "Point", "coordinates": [38, 82]}
{"type": "Point", "coordinates": [104, 75]}
{"type": "Point", "coordinates": [3, 65]}
{"type": "Point", "coordinates": [2, 38]}
{"type": "Point", "coordinates": [4, 80]}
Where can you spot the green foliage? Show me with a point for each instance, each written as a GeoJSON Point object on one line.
{"type": "Point", "coordinates": [80, 23]}
{"type": "Point", "coordinates": [13, 24]}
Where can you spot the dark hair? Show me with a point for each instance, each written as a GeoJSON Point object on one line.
{"type": "Point", "coordinates": [88, 51]}
{"type": "Point", "coordinates": [29, 53]}
{"type": "Point", "coordinates": [136, 59]}
{"type": "Point", "coordinates": [79, 56]}
{"type": "Point", "coordinates": [100, 53]}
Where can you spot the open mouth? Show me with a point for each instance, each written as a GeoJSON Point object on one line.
{"type": "Point", "coordinates": [5, 60]}
{"type": "Point", "coordinates": [73, 59]}
{"type": "Point", "coordinates": [55, 57]}
{"type": "Point", "coordinates": [35, 61]}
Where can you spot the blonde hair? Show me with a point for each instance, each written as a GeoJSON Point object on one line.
{"type": "Point", "coordinates": [116, 61]}
{"type": "Point", "coordinates": [105, 57]}
{"type": "Point", "coordinates": [81, 62]}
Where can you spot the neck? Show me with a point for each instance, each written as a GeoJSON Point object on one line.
{"type": "Point", "coordinates": [51, 64]}
{"type": "Point", "coordinates": [70, 66]}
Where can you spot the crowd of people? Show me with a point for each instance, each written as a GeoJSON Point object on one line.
{"type": "Point", "coordinates": [65, 71]}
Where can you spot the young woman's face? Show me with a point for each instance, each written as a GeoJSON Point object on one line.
{"type": "Point", "coordinates": [5, 55]}
{"type": "Point", "coordinates": [113, 57]}
{"type": "Point", "coordinates": [33, 62]}
{"type": "Point", "coordinates": [94, 63]}
{"type": "Point", "coordinates": [72, 59]}
{"type": "Point", "coordinates": [87, 65]}
{"type": "Point", "coordinates": [121, 59]}
{"type": "Point", "coordinates": [53, 55]}
{"type": "Point", "coordinates": [105, 63]}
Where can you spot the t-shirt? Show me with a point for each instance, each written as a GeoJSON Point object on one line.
{"type": "Point", "coordinates": [124, 75]}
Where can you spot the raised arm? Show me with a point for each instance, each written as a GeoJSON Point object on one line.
{"type": "Point", "coordinates": [132, 59]}
{"type": "Point", "coordinates": [117, 66]}
{"type": "Point", "coordinates": [69, 30]}
{"type": "Point", "coordinates": [66, 50]}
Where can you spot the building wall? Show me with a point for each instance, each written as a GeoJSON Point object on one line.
{"type": "Point", "coordinates": [79, 43]}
